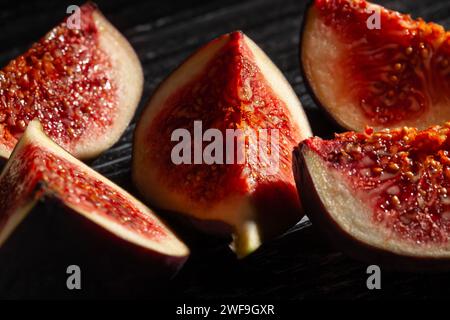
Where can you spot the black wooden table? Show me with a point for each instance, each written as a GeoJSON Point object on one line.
{"type": "Point", "coordinates": [297, 265]}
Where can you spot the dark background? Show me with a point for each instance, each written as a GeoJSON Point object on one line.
{"type": "Point", "coordinates": [297, 265]}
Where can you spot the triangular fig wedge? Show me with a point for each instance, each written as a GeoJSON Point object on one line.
{"type": "Point", "coordinates": [83, 81]}
{"type": "Point", "coordinates": [229, 85]}
{"type": "Point", "coordinates": [39, 168]}
{"type": "Point", "coordinates": [382, 197]}
{"type": "Point", "coordinates": [367, 65]}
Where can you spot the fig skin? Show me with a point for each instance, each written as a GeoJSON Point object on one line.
{"type": "Point", "coordinates": [340, 126]}
{"type": "Point", "coordinates": [343, 241]}
{"type": "Point", "coordinates": [35, 258]}
{"type": "Point", "coordinates": [309, 89]}
{"type": "Point", "coordinates": [306, 81]}
{"type": "Point", "coordinates": [86, 232]}
{"type": "Point", "coordinates": [234, 212]}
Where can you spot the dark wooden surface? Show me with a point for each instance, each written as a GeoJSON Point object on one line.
{"type": "Point", "coordinates": [297, 265]}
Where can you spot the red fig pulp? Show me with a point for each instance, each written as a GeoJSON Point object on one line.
{"type": "Point", "coordinates": [229, 85]}
{"type": "Point", "coordinates": [368, 65]}
{"type": "Point", "coordinates": [83, 84]}
{"type": "Point", "coordinates": [386, 191]}
{"type": "Point", "coordinates": [39, 168]}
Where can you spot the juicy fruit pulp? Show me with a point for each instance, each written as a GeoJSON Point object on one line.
{"type": "Point", "coordinates": [404, 174]}
{"type": "Point", "coordinates": [72, 186]}
{"type": "Point", "coordinates": [226, 89]}
{"type": "Point", "coordinates": [394, 75]}
{"type": "Point", "coordinates": [39, 168]}
{"type": "Point", "coordinates": [66, 80]}
{"type": "Point", "coordinates": [63, 80]}
{"type": "Point", "coordinates": [230, 94]}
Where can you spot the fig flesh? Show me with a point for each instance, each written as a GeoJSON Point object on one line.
{"type": "Point", "coordinates": [367, 65]}
{"type": "Point", "coordinates": [39, 168]}
{"type": "Point", "coordinates": [229, 84]}
{"type": "Point", "coordinates": [83, 84]}
{"type": "Point", "coordinates": [381, 196]}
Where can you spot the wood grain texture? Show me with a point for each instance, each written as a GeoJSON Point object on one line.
{"type": "Point", "coordinates": [298, 265]}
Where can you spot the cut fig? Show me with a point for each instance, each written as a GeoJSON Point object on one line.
{"type": "Point", "coordinates": [229, 85]}
{"type": "Point", "coordinates": [39, 168]}
{"type": "Point", "coordinates": [366, 65]}
{"type": "Point", "coordinates": [383, 197]}
{"type": "Point", "coordinates": [83, 84]}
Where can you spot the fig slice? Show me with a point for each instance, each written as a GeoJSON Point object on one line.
{"type": "Point", "coordinates": [367, 65]}
{"type": "Point", "coordinates": [229, 84]}
{"type": "Point", "coordinates": [384, 196]}
{"type": "Point", "coordinates": [39, 168]}
{"type": "Point", "coordinates": [83, 84]}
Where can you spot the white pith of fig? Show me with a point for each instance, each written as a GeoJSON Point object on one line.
{"type": "Point", "coordinates": [229, 83]}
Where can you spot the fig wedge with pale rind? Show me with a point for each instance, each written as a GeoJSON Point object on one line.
{"type": "Point", "coordinates": [382, 197]}
{"type": "Point", "coordinates": [367, 65]}
{"type": "Point", "coordinates": [229, 84]}
{"type": "Point", "coordinates": [39, 169]}
{"type": "Point", "coordinates": [82, 81]}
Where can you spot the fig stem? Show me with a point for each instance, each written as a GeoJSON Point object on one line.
{"type": "Point", "coordinates": [246, 239]}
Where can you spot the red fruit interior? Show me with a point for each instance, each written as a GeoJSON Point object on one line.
{"type": "Point", "coordinates": [43, 171]}
{"type": "Point", "coordinates": [63, 80]}
{"type": "Point", "coordinates": [230, 94]}
{"type": "Point", "coordinates": [404, 174]}
{"type": "Point", "coordinates": [396, 72]}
